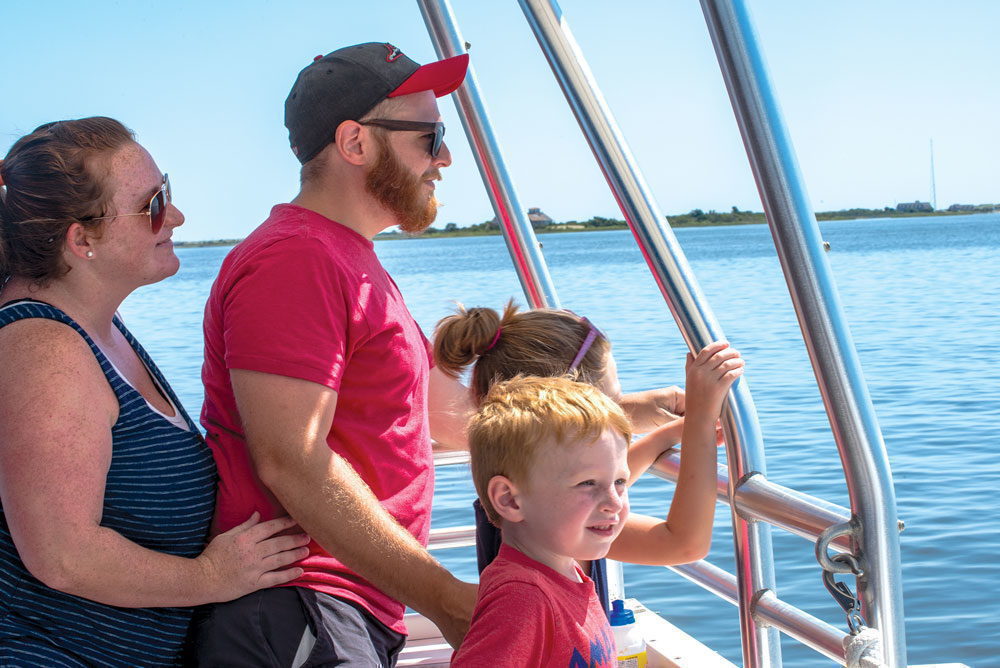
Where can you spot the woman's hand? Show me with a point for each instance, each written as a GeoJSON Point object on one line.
{"type": "Point", "coordinates": [252, 556]}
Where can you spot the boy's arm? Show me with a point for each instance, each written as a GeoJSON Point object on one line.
{"type": "Point", "coordinates": [512, 626]}
{"type": "Point", "coordinates": [646, 450]}
{"type": "Point", "coordinates": [686, 534]}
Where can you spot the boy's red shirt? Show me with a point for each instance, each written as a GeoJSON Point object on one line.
{"type": "Point", "coordinates": [529, 615]}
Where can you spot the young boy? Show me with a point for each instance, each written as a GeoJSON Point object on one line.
{"type": "Point", "coordinates": [550, 465]}
{"type": "Point", "coordinates": [549, 460]}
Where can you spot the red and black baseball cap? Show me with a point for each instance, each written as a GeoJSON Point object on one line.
{"type": "Point", "coordinates": [346, 84]}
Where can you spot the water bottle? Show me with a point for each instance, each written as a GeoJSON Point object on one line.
{"type": "Point", "coordinates": [628, 637]}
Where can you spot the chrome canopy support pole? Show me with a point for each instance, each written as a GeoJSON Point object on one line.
{"type": "Point", "coordinates": [745, 450]}
{"type": "Point", "coordinates": [828, 340]}
{"type": "Point", "coordinates": [517, 231]}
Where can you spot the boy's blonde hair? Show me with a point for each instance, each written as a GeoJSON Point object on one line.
{"type": "Point", "coordinates": [520, 416]}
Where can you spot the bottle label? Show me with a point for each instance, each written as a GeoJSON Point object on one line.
{"type": "Point", "coordinates": [633, 660]}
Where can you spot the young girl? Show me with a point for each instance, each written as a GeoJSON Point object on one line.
{"type": "Point", "coordinates": [549, 342]}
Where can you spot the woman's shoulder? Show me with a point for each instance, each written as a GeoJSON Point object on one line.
{"type": "Point", "coordinates": [47, 357]}
{"type": "Point", "coordinates": [39, 335]}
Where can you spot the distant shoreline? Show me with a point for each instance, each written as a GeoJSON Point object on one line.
{"type": "Point", "coordinates": [695, 218]}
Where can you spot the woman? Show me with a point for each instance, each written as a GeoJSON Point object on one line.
{"type": "Point", "coordinates": [107, 487]}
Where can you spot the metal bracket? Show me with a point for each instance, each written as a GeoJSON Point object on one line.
{"type": "Point", "coordinates": [849, 563]}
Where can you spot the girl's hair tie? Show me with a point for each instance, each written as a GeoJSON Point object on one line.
{"type": "Point", "coordinates": [493, 342]}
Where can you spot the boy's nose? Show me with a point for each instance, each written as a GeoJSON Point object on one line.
{"type": "Point", "coordinates": [616, 500]}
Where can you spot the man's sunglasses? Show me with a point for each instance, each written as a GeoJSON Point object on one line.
{"type": "Point", "coordinates": [413, 126]}
{"type": "Point", "coordinates": [157, 209]}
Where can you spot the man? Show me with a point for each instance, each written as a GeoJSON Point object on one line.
{"type": "Point", "coordinates": [320, 401]}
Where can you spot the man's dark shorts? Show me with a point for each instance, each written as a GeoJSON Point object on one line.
{"type": "Point", "coordinates": [291, 627]}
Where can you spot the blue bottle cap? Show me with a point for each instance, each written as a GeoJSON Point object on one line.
{"type": "Point", "coordinates": [620, 615]}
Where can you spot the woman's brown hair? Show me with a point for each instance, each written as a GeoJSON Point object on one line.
{"type": "Point", "coordinates": [538, 342]}
{"type": "Point", "coordinates": [52, 178]}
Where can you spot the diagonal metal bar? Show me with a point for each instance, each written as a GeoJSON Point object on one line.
{"type": "Point", "coordinates": [745, 449]}
{"type": "Point", "coordinates": [522, 244]}
{"type": "Point", "coordinates": [817, 305]}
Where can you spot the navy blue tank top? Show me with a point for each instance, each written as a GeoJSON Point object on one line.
{"type": "Point", "coordinates": [160, 494]}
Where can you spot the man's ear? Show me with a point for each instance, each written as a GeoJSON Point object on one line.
{"type": "Point", "coordinates": [354, 142]}
{"type": "Point", "coordinates": [505, 498]}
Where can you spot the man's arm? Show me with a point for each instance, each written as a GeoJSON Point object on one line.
{"type": "Point", "coordinates": [450, 406]}
{"type": "Point", "coordinates": [286, 421]}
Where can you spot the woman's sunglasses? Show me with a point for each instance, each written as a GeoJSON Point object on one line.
{"type": "Point", "coordinates": [413, 126]}
{"type": "Point", "coordinates": [158, 206]}
{"type": "Point", "coordinates": [157, 209]}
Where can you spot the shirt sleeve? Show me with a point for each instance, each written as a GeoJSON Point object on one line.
{"type": "Point", "coordinates": [288, 312]}
{"type": "Point", "coordinates": [512, 626]}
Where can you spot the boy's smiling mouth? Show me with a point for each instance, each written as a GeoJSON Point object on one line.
{"type": "Point", "coordinates": [603, 529]}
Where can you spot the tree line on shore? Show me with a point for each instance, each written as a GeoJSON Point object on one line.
{"type": "Point", "coordinates": [693, 218]}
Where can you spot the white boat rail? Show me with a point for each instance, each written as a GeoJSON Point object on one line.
{"type": "Point", "coordinates": [870, 530]}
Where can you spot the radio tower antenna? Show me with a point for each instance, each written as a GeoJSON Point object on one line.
{"type": "Point", "coordinates": [933, 186]}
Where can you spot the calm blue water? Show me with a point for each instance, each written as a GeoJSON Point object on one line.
{"type": "Point", "coordinates": [922, 297]}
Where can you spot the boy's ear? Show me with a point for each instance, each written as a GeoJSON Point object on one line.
{"type": "Point", "coordinates": [504, 497]}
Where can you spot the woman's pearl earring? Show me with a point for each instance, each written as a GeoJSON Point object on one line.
{"type": "Point", "coordinates": [90, 253]}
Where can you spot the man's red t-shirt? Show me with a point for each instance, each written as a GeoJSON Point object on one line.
{"type": "Point", "coordinates": [529, 615]}
{"type": "Point", "coordinates": [306, 297]}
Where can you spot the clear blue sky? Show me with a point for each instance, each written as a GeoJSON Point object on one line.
{"type": "Point", "coordinates": [863, 85]}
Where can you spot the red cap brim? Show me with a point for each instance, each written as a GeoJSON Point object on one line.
{"type": "Point", "coordinates": [442, 77]}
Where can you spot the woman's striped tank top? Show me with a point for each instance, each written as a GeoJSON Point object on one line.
{"type": "Point", "coordinates": [160, 494]}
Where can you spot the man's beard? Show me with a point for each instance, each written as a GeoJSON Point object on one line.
{"type": "Point", "coordinates": [399, 191]}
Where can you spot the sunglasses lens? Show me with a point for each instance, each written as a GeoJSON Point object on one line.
{"type": "Point", "coordinates": [157, 213]}
{"type": "Point", "coordinates": [158, 207]}
{"type": "Point", "coordinates": [438, 139]}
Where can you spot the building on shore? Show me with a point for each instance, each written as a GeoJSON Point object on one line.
{"type": "Point", "coordinates": [914, 207]}
{"type": "Point", "coordinates": [536, 217]}
{"type": "Point", "coordinates": [974, 208]}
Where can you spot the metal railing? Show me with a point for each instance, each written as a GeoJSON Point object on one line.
{"type": "Point", "coordinates": [798, 513]}
{"type": "Point", "coordinates": [756, 503]}
{"type": "Point", "coordinates": [828, 340]}
{"type": "Point", "coordinates": [517, 230]}
{"type": "Point", "coordinates": [673, 275]}
{"type": "Point", "coordinates": [523, 246]}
